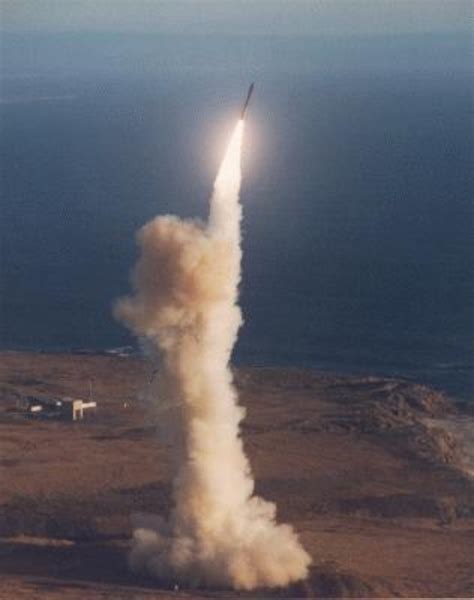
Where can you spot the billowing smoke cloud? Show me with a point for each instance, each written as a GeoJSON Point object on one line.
{"type": "Point", "coordinates": [185, 304]}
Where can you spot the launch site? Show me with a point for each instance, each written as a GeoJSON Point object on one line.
{"type": "Point", "coordinates": [355, 464]}
{"type": "Point", "coordinates": [237, 281]}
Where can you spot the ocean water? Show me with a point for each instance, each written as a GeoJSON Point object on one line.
{"type": "Point", "coordinates": [357, 195]}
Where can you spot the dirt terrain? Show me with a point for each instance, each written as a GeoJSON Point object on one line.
{"type": "Point", "coordinates": [373, 487]}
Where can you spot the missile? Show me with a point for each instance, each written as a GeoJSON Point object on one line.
{"type": "Point", "coordinates": [246, 103]}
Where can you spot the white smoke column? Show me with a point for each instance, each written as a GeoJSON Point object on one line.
{"type": "Point", "coordinates": [185, 303]}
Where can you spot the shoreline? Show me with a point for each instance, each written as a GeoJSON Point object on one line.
{"type": "Point", "coordinates": [455, 418]}
{"type": "Point", "coordinates": [363, 467]}
{"type": "Point", "coordinates": [455, 380]}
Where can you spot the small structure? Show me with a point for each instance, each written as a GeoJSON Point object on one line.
{"type": "Point", "coordinates": [73, 409]}
{"type": "Point", "coordinates": [69, 409]}
{"type": "Point", "coordinates": [37, 404]}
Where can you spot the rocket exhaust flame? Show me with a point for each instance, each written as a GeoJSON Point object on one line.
{"type": "Point", "coordinates": [185, 304]}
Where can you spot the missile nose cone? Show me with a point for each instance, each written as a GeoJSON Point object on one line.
{"type": "Point", "coordinates": [247, 100]}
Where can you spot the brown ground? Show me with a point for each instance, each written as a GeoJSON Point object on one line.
{"type": "Point", "coordinates": [372, 490]}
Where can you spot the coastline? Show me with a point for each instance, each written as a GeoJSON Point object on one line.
{"type": "Point", "coordinates": [365, 468]}
{"type": "Point", "coordinates": [455, 379]}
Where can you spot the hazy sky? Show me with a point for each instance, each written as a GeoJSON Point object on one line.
{"type": "Point", "coordinates": [284, 17]}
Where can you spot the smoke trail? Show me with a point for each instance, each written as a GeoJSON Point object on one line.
{"type": "Point", "coordinates": [185, 303]}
